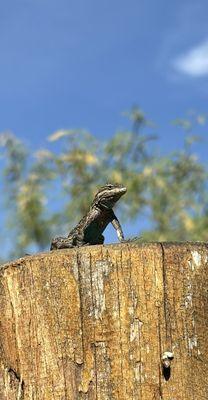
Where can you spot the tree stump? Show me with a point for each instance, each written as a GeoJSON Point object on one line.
{"type": "Point", "coordinates": [93, 323]}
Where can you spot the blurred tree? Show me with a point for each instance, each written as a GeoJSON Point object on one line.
{"type": "Point", "coordinates": [48, 191]}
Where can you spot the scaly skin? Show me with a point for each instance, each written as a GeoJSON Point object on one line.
{"type": "Point", "coordinates": [90, 228]}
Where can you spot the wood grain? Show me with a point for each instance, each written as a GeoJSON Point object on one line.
{"type": "Point", "coordinates": [93, 323]}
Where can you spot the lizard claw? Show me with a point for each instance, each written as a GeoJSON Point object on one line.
{"type": "Point", "coordinates": [133, 239]}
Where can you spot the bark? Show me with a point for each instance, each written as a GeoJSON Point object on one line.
{"type": "Point", "coordinates": [93, 323]}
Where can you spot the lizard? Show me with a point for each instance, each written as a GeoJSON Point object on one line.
{"type": "Point", "coordinates": [90, 228]}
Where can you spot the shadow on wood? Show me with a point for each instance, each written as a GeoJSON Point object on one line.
{"type": "Point", "coordinates": [94, 323]}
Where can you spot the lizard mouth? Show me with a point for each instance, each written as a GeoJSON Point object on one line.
{"type": "Point", "coordinates": [118, 191]}
{"type": "Point", "coordinates": [123, 190]}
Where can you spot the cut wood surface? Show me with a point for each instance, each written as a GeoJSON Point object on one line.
{"type": "Point", "coordinates": [93, 323]}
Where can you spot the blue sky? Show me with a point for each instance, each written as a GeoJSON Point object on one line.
{"type": "Point", "coordinates": [81, 63]}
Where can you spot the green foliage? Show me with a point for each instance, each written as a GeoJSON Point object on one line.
{"type": "Point", "coordinates": [47, 192]}
{"type": "Point", "coordinates": [177, 188]}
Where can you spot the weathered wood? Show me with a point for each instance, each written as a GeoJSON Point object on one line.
{"type": "Point", "coordinates": [92, 323]}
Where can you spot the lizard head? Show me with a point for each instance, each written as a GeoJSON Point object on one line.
{"type": "Point", "coordinates": [108, 195]}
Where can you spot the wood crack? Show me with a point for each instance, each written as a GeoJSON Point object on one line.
{"type": "Point", "coordinates": [15, 379]}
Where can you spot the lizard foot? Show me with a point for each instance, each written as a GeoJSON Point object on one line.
{"type": "Point", "coordinates": [133, 239]}
{"type": "Point", "coordinates": [61, 243]}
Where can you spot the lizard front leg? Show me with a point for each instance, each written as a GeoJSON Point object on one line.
{"type": "Point", "coordinates": [82, 241]}
{"type": "Point", "coordinates": [116, 224]}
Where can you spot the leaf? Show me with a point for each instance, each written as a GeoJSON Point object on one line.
{"type": "Point", "coordinates": [59, 134]}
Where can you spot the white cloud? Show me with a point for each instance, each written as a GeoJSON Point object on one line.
{"type": "Point", "coordinates": [194, 62]}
